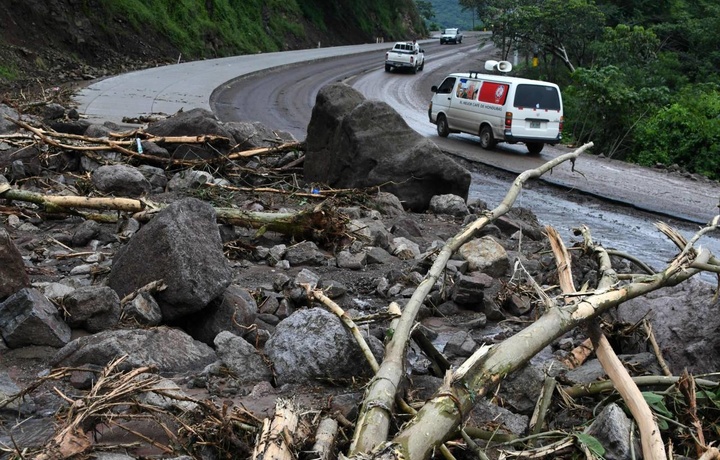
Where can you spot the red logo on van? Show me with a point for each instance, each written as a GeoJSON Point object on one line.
{"type": "Point", "coordinates": [493, 93]}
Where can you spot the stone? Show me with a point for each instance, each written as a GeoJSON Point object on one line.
{"type": "Point", "coordinates": [356, 143]}
{"type": "Point", "coordinates": [29, 318]}
{"type": "Point", "coordinates": [12, 268]}
{"type": "Point", "coordinates": [93, 308]}
{"type": "Point", "coordinates": [486, 255]}
{"type": "Point", "coordinates": [120, 180]}
{"type": "Point", "coordinates": [183, 242]}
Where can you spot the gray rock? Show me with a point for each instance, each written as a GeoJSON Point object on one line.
{"type": "Point", "coordinates": [170, 350]}
{"type": "Point", "coordinates": [305, 253]}
{"type": "Point", "coordinates": [335, 353]}
{"type": "Point", "coordinates": [613, 429]}
{"type": "Point", "coordinates": [376, 255]}
{"type": "Point", "coordinates": [6, 126]}
{"type": "Point", "coordinates": [371, 231]}
{"type": "Point", "coordinates": [93, 308]}
{"type": "Point", "coordinates": [85, 232]}
{"type": "Point", "coordinates": [404, 249]}
{"type": "Point", "coordinates": [28, 318]}
{"type": "Point", "coordinates": [350, 261]}
{"type": "Point", "coordinates": [486, 255]}
{"type": "Point", "coordinates": [195, 122]}
{"type": "Point", "coordinates": [243, 360]}
{"type": "Point", "coordinates": [357, 143]}
{"type": "Point", "coordinates": [460, 344]}
{"type": "Point", "coordinates": [120, 180]}
{"type": "Point", "coordinates": [144, 309]}
{"type": "Point", "coordinates": [8, 389]}
{"type": "Point", "coordinates": [449, 204]}
{"type": "Point", "coordinates": [388, 204]}
{"type": "Point", "coordinates": [685, 323]}
{"type": "Point", "coordinates": [469, 290]}
{"type": "Point", "coordinates": [184, 245]}
{"type": "Point", "coordinates": [251, 135]}
{"type": "Point", "coordinates": [155, 176]}
{"type": "Point", "coordinates": [12, 268]}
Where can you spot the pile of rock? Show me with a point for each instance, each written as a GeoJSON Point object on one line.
{"type": "Point", "coordinates": [165, 293]}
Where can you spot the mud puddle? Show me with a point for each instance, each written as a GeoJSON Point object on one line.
{"type": "Point", "coordinates": [615, 227]}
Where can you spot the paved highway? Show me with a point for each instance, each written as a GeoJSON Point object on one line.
{"type": "Point", "coordinates": [279, 89]}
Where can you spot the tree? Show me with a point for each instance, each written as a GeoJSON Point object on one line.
{"type": "Point", "coordinates": [426, 9]}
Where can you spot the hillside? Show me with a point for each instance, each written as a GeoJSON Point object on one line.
{"type": "Point", "coordinates": [50, 42]}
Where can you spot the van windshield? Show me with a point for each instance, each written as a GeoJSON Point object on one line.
{"type": "Point", "coordinates": [537, 97]}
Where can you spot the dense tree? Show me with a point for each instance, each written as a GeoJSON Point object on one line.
{"type": "Point", "coordinates": [630, 71]}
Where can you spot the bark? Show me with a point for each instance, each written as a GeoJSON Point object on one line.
{"type": "Point", "coordinates": [375, 414]}
{"type": "Point", "coordinates": [276, 439]}
{"type": "Point", "coordinates": [318, 224]}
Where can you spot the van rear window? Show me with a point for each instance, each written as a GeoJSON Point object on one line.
{"type": "Point", "coordinates": [537, 97]}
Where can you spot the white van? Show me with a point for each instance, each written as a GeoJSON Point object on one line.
{"type": "Point", "coordinates": [498, 108]}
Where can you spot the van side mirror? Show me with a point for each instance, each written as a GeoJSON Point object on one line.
{"type": "Point", "coordinates": [434, 89]}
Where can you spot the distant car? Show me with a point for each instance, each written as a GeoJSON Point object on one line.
{"type": "Point", "coordinates": [451, 36]}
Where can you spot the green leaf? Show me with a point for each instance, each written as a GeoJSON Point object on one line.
{"type": "Point", "coordinates": [591, 443]}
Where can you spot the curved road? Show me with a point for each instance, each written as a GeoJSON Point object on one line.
{"type": "Point", "coordinates": [279, 90]}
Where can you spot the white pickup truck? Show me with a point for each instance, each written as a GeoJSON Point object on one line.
{"type": "Point", "coordinates": [405, 55]}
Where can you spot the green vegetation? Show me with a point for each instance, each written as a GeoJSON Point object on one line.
{"type": "Point", "coordinates": [227, 27]}
{"type": "Point", "coordinates": [640, 79]}
{"type": "Point", "coordinates": [7, 73]}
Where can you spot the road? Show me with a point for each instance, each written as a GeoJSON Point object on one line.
{"type": "Point", "coordinates": [283, 98]}
{"type": "Point", "coordinates": [279, 90]}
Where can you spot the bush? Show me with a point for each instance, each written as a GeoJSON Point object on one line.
{"type": "Point", "coordinates": [687, 133]}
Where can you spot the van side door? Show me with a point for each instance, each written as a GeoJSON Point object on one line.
{"type": "Point", "coordinates": [464, 106]}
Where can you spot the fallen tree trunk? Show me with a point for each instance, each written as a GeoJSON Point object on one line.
{"type": "Point", "coordinates": [317, 224]}
{"type": "Point", "coordinates": [375, 414]}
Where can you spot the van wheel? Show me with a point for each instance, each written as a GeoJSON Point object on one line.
{"type": "Point", "coordinates": [534, 148]}
{"type": "Point", "coordinates": [487, 141]}
{"type": "Point", "coordinates": [443, 129]}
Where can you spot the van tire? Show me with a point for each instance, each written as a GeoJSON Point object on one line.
{"type": "Point", "coordinates": [534, 148]}
{"type": "Point", "coordinates": [443, 129]}
{"type": "Point", "coordinates": [487, 140]}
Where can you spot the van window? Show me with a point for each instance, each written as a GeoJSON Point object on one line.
{"type": "Point", "coordinates": [446, 86]}
{"type": "Point", "coordinates": [467, 89]}
{"type": "Point", "coordinates": [494, 93]}
{"type": "Point", "coordinates": [537, 97]}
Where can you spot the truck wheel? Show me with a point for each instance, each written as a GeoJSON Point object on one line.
{"type": "Point", "coordinates": [414, 70]}
{"type": "Point", "coordinates": [387, 68]}
{"type": "Point", "coordinates": [487, 140]}
{"type": "Point", "coordinates": [443, 129]}
{"type": "Point", "coordinates": [534, 148]}
{"type": "Point", "coordinates": [422, 66]}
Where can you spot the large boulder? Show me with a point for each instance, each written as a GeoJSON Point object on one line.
{"type": "Point", "coordinates": [356, 143]}
{"type": "Point", "coordinates": [29, 318]}
{"type": "Point", "coordinates": [313, 344]}
{"type": "Point", "coordinates": [182, 246]}
{"type": "Point", "coordinates": [169, 350]}
{"type": "Point", "coordinates": [685, 322]}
